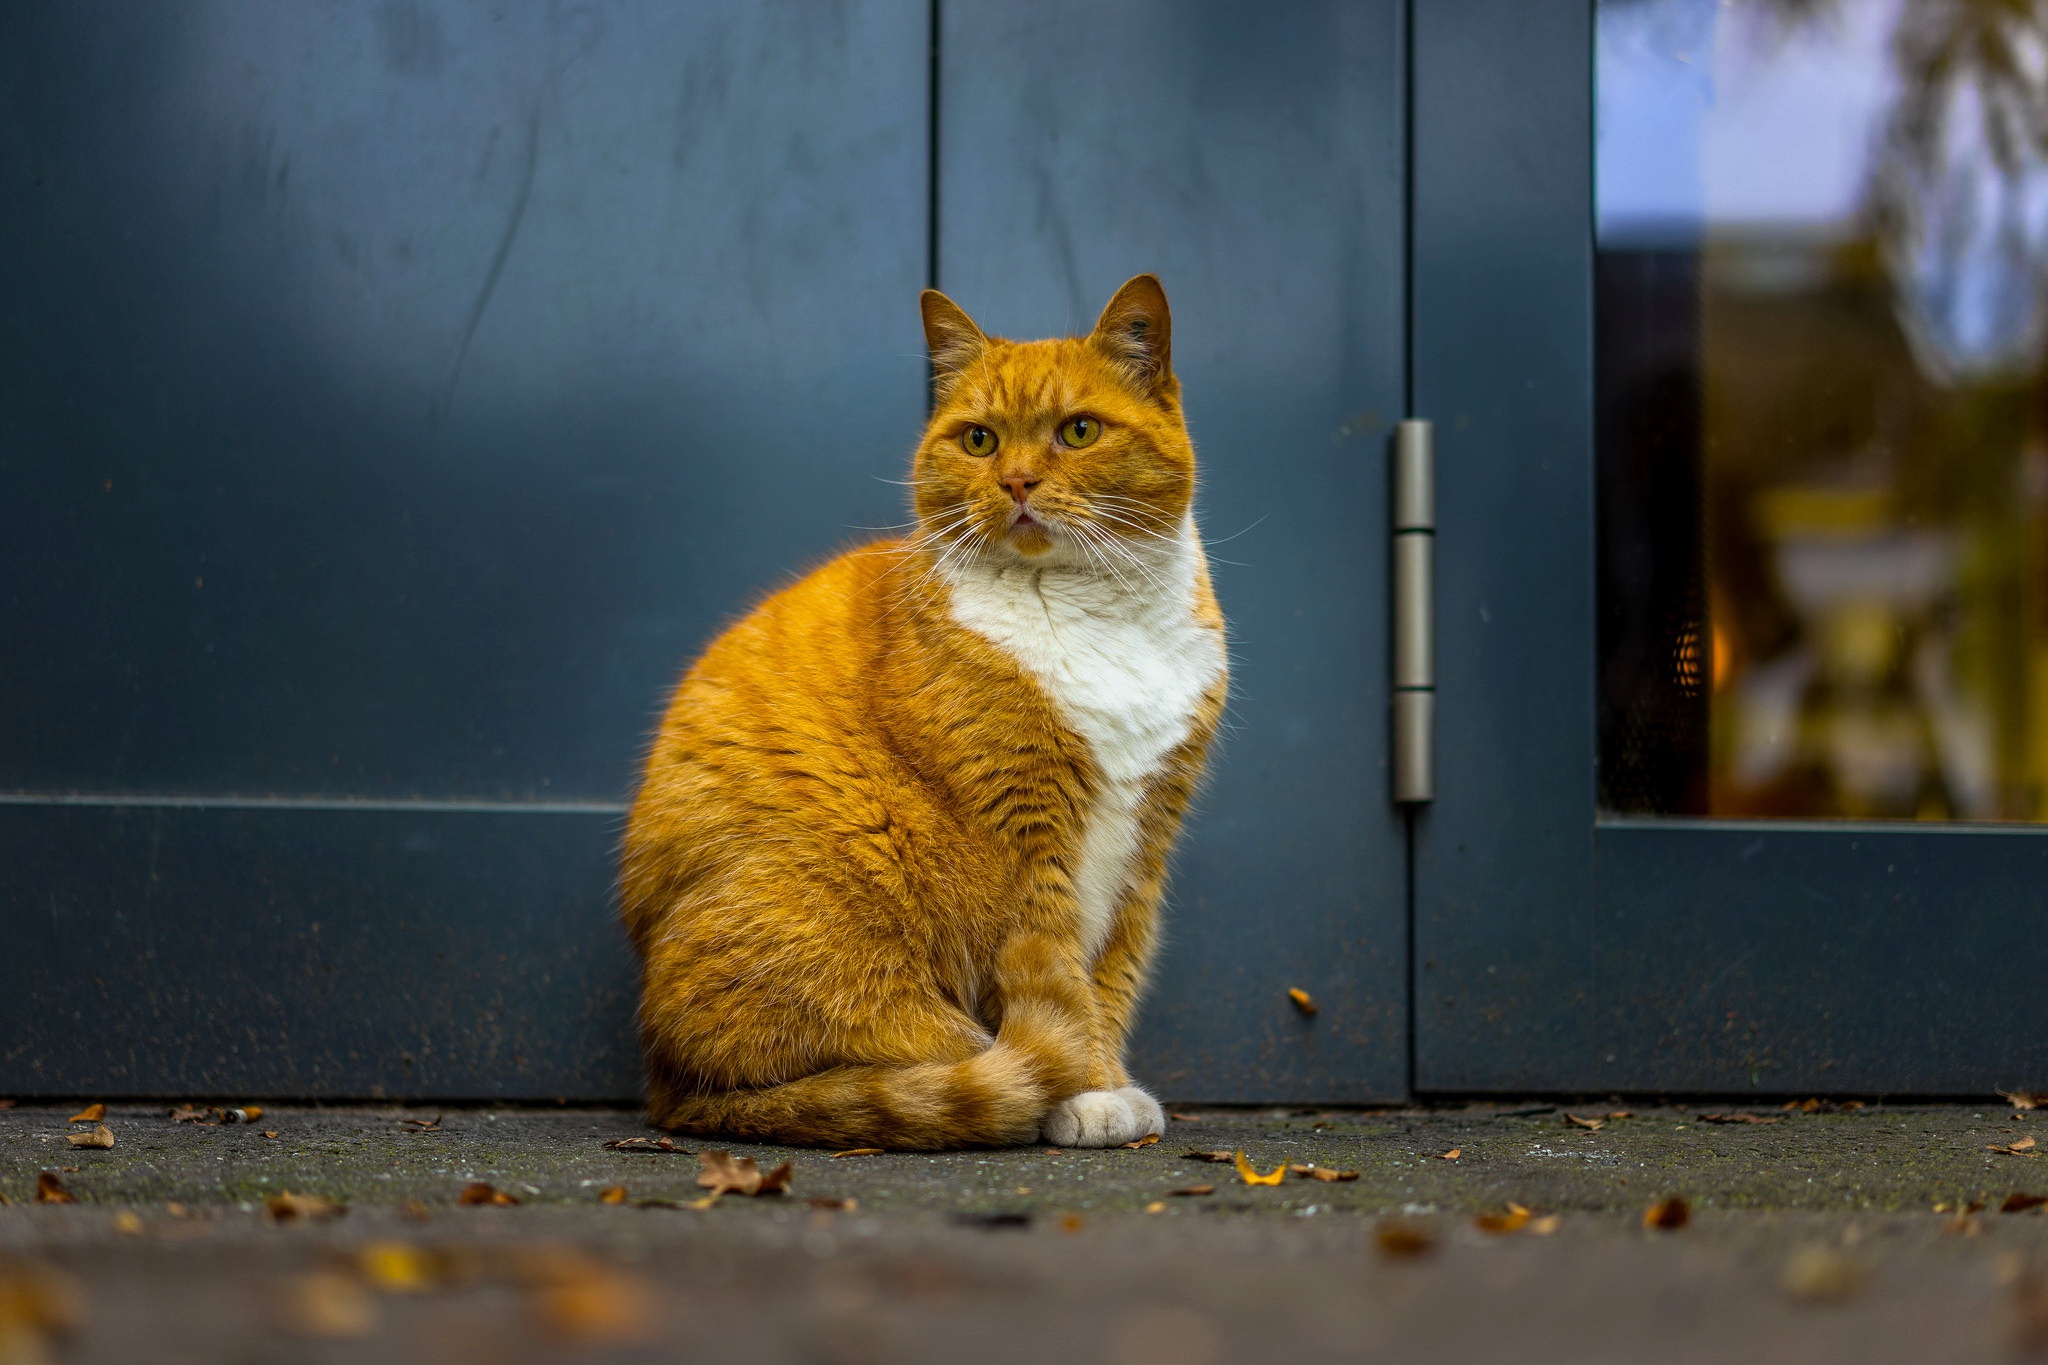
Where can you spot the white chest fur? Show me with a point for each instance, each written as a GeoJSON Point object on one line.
{"type": "Point", "coordinates": [1126, 662]}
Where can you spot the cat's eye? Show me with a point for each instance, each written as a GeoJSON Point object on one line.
{"type": "Point", "coordinates": [1080, 431]}
{"type": "Point", "coordinates": [978, 441]}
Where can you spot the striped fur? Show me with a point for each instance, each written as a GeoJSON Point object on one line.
{"type": "Point", "coordinates": [860, 872]}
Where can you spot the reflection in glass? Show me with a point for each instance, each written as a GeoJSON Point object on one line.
{"type": "Point", "coordinates": [1822, 313]}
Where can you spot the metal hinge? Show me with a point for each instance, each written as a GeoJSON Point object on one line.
{"type": "Point", "coordinates": [1414, 682]}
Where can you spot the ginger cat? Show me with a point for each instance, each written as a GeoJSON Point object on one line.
{"type": "Point", "coordinates": [895, 868]}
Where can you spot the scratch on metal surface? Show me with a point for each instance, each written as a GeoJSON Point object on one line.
{"type": "Point", "coordinates": [483, 297]}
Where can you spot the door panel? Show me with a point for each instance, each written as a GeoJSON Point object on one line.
{"type": "Point", "coordinates": [392, 398]}
{"type": "Point", "coordinates": [1253, 160]}
{"type": "Point", "coordinates": [1558, 947]}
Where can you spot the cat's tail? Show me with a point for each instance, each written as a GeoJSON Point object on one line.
{"type": "Point", "coordinates": [993, 1099]}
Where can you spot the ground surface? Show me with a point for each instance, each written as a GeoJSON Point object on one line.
{"type": "Point", "coordinates": [1813, 1237]}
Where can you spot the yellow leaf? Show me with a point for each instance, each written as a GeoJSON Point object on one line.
{"type": "Point", "coordinates": [1301, 1000]}
{"type": "Point", "coordinates": [92, 1113]}
{"type": "Point", "coordinates": [612, 1194]}
{"type": "Point", "coordinates": [1252, 1177]}
{"type": "Point", "coordinates": [1452, 1155]}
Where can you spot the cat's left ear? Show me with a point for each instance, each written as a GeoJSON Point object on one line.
{"type": "Point", "coordinates": [1137, 332]}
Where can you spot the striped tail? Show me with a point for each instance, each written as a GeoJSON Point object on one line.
{"type": "Point", "coordinates": [993, 1099]}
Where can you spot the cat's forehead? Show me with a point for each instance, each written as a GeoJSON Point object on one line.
{"type": "Point", "coordinates": [1024, 378]}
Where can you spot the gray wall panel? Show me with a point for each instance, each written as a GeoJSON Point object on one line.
{"type": "Point", "coordinates": [1252, 158]}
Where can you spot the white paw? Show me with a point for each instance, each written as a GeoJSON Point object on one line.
{"type": "Point", "coordinates": [1103, 1118]}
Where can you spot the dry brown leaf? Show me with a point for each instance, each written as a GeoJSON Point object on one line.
{"type": "Point", "coordinates": [1145, 1141]}
{"type": "Point", "coordinates": [1622, 1114]}
{"type": "Point", "coordinates": [664, 1145]}
{"type": "Point", "coordinates": [1452, 1155]}
{"type": "Point", "coordinates": [721, 1173]}
{"type": "Point", "coordinates": [859, 1151]}
{"type": "Point", "coordinates": [2018, 1202]}
{"type": "Point", "coordinates": [432, 1125]}
{"type": "Point", "coordinates": [1252, 1177]}
{"type": "Point", "coordinates": [327, 1304]}
{"type": "Point", "coordinates": [92, 1113]}
{"type": "Point", "coordinates": [1301, 1000]}
{"type": "Point", "coordinates": [612, 1194]}
{"type": "Point", "coordinates": [1156, 1206]}
{"type": "Point", "coordinates": [284, 1206]}
{"type": "Point", "coordinates": [1501, 1224]}
{"type": "Point", "coordinates": [1546, 1225]}
{"type": "Point", "coordinates": [1821, 1273]}
{"type": "Point", "coordinates": [50, 1189]}
{"type": "Point", "coordinates": [101, 1136]}
{"type": "Point", "coordinates": [483, 1194]}
{"type": "Point", "coordinates": [1192, 1191]}
{"type": "Point", "coordinates": [2025, 1099]}
{"type": "Point", "coordinates": [188, 1113]}
{"type": "Point", "coordinates": [1185, 1118]}
{"type": "Point", "coordinates": [1742, 1118]}
{"type": "Point", "coordinates": [1667, 1215]}
{"type": "Point", "coordinates": [177, 1210]}
{"type": "Point", "coordinates": [128, 1223]}
{"type": "Point", "coordinates": [1071, 1222]}
{"type": "Point", "coordinates": [845, 1204]}
{"type": "Point", "coordinates": [1400, 1239]}
{"type": "Point", "coordinates": [1574, 1121]}
{"type": "Point", "coordinates": [1326, 1173]}
{"type": "Point", "coordinates": [1802, 1106]}
{"type": "Point", "coordinates": [2024, 1147]}
{"type": "Point", "coordinates": [1220, 1158]}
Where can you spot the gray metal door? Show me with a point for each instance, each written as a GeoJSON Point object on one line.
{"type": "Point", "coordinates": [392, 398]}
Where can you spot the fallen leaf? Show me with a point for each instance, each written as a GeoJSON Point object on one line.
{"type": "Point", "coordinates": [1821, 1273]}
{"type": "Point", "coordinates": [612, 1194]}
{"type": "Point", "coordinates": [270, 1133]}
{"type": "Point", "coordinates": [1742, 1118]}
{"type": "Point", "coordinates": [1156, 1206]}
{"type": "Point", "coordinates": [1622, 1114]}
{"type": "Point", "coordinates": [720, 1173]}
{"type": "Point", "coordinates": [1452, 1155]}
{"type": "Point", "coordinates": [432, 1125]}
{"type": "Point", "coordinates": [50, 1189]}
{"type": "Point", "coordinates": [284, 1206]}
{"type": "Point", "coordinates": [1801, 1106]}
{"type": "Point", "coordinates": [2024, 1099]}
{"type": "Point", "coordinates": [859, 1151]}
{"type": "Point", "coordinates": [665, 1145]}
{"type": "Point", "coordinates": [2024, 1147]}
{"type": "Point", "coordinates": [1667, 1215]}
{"type": "Point", "coordinates": [399, 1267]}
{"type": "Point", "coordinates": [1326, 1173]}
{"type": "Point", "coordinates": [2017, 1202]}
{"type": "Point", "coordinates": [1400, 1239]}
{"type": "Point", "coordinates": [327, 1304]}
{"type": "Point", "coordinates": [101, 1136]}
{"type": "Point", "coordinates": [127, 1223]}
{"type": "Point", "coordinates": [1546, 1225]}
{"type": "Point", "coordinates": [1192, 1191]}
{"type": "Point", "coordinates": [1071, 1222]}
{"type": "Point", "coordinates": [1574, 1121]}
{"type": "Point", "coordinates": [1322, 1123]}
{"type": "Point", "coordinates": [177, 1210]}
{"type": "Point", "coordinates": [92, 1113]}
{"type": "Point", "coordinates": [1501, 1224]}
{"type": "Point", "coordinates": [8, 1104]}
{"type": "Point", "coordinates": [596, 1306]}
{"type": "Point", "coordinates": [1220, 1158]}
{"type": "Point", "coordinates": [480, 1194]}
{"type": "Point", "coordinates": [1252, 1177]}
{"type": "Point", "coordinates": [1145, 1141]}
{"type": "Point", "coordinates": [1301, 1000]}
{"type": "Point", "coordinates": [842, 1205]}
{"type": "Point", "coordinates": [1185, 1118]}
{"type": "Point", "coordinates": [188, 1113]}
{"type": "Point", "coordinates": [416, 1210]}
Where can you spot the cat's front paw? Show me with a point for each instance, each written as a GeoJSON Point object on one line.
{"type": "Point", "coordinates": [1103, 1118]}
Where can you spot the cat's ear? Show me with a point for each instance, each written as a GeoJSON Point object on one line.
{"type": "Point", "coordinates": [1136, 332]}
{"type": "Point", "coordinates": [955, 341]}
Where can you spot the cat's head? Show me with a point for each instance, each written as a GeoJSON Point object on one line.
{"type": "Point", "coordinates": [1069, 452]}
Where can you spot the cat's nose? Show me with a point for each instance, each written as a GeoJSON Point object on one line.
{"type": "Point", "coordinates": [1020, 487]}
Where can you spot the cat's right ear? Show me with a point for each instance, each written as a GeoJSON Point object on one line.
{"type": "Point", "coordinates": [955, 341]}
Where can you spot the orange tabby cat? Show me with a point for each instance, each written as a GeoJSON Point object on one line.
{"type": "Point", "coordinates": [894, 872]}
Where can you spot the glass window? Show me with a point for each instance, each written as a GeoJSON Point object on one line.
{"type": "Point", "coordinates": [1822, 408]}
